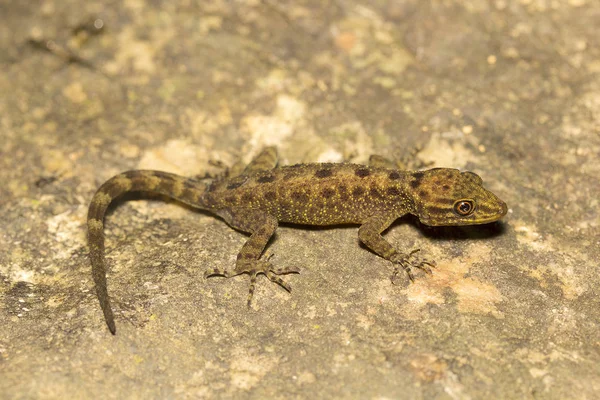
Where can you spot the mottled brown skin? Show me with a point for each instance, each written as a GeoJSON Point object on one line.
{"type": "Point", "coordinates": [256, 199]}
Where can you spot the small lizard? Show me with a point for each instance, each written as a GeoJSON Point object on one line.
{"type": "Point", "coordinates": [260, 196]}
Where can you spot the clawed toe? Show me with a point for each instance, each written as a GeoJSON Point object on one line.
{"type": "Point", "coordinates": [407, 262]}
{"type": "Point", "coordinates": [255, 268]}
{"type": "Point", "coordinates": [271, 273]}
{"type": "Point", "coordinates": [221, 272]}
{"type": "Point", "coordinates": [213, 272]}
{"type": "Point", "coordinates": [397, 271]}
{"type": "Point", "coordinates": [426, 266]}
{"type": "Point", "coordinates": [274, 278]}
{"type": "Point", "coordinates": [283, 271]}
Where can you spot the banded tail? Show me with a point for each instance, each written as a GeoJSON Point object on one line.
{"type": "Point", "coordinates": [188, 191]}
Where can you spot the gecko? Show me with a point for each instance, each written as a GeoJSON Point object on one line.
{"type": "Point", "coordinates": [262, 195]}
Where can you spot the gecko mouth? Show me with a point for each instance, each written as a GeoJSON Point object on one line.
{"type": "Point", "coordinates": [493, 217]}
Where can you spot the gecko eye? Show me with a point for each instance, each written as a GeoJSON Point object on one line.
{"type": "Point", "coordinates": [464, 207]}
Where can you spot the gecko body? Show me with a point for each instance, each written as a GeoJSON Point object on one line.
{"type": "Point", "coordinates": [261, 196]}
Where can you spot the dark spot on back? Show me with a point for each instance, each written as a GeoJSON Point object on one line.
{"type": "Point", "coordinates": [230, 199]}
{"type": "Point", "coordinates": [424, 194]}
{"type": "Point", "coordinates": [417, 178]}
{"type": "Point", "coordinates": [328, 193]}
{"type": "Point", "coordinates": [343, 191]}
{"type": "Point", "coordinates": [323, 173]}
{"type": "Point", "coordinates": [394, 175]}
{"type": "Point", "coordinates": [445, 188]}
{"type": "Point", "coordinates": [270, 195]}
{"type": "Point", "coordinates": [362, 172]}
{"type": "Point", "coordinates": [358, 191]}
{"type": "Point", "coordinates": [247, 197]}
{"type": "Point", "coordinates": [393, 191]}
{"type": "Point", "coordinates": [266, 179]}
{"type": "Point", "coordinates": [374, 192]}
{"type": "Point", "coordinates": [299, 196]}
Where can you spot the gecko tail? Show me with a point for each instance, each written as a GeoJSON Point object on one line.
{"type": "Point", "coordinates": [189, 191]}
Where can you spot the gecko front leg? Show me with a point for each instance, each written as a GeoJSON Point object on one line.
{"type": "Point", "coordinates": [261, 226]}
{"type": "Point", "coordinates": [370, 234]}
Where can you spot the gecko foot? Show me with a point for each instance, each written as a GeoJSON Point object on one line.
{"type": "Point", "coordinates": [254, 268]}
{"type": "Point", "coordinates": [408, 261]}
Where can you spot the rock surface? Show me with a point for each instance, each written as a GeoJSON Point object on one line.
{"type": "Point", "coordinates": [508, 89]}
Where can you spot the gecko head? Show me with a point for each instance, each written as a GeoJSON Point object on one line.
{"type": "Point", "coordinates": [445, 196]}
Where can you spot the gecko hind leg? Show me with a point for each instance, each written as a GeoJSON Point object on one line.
{"type": "Point", "coordinates": [265, 160]}
{"type": "Point", "coordinates": [262, 226]}
{"type": "Point", "coordinates": [255, 268]}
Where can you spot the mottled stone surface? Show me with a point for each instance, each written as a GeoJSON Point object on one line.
{"type": "Point", "coordinates": [508, 89]}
